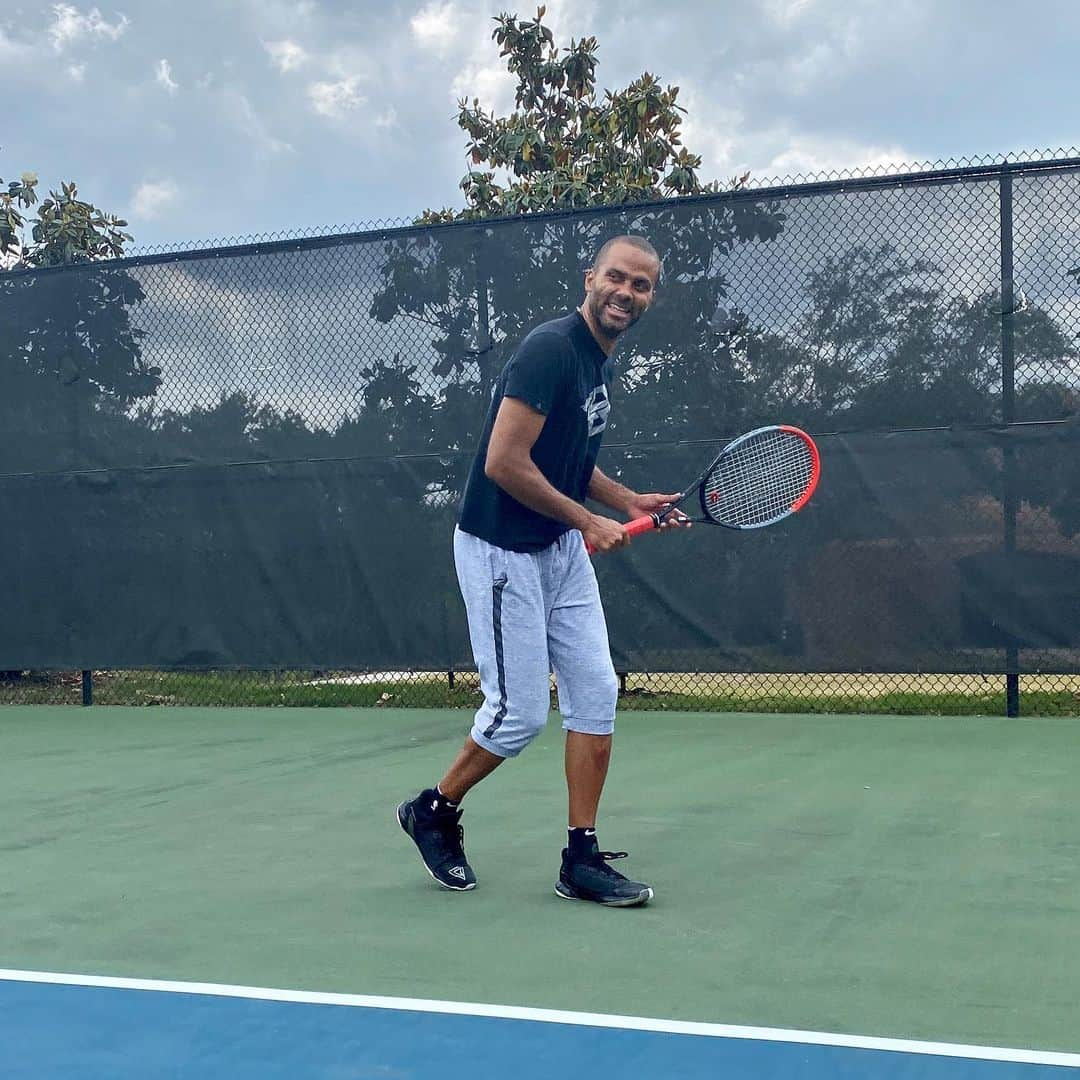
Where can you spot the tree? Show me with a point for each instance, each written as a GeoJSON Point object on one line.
{"type": "Point", "coordinates": [884, 343]}
{"type": "Point", "coordinates": [565, 148]}
{"type": "Point", "coordinates": [70, 358]}
{"type": "Point", "coordinates": [20, 194]}
{"type": "Point", "coordinates": [66, 230]}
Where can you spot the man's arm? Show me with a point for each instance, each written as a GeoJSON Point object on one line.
{"type": "Point", "coordinates": [509, 464]}
{"type": "Point", "coordinates": [610, 493]}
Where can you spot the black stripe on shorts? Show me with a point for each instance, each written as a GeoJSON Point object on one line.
{"type": "Point", "coordinates": [496, 623]}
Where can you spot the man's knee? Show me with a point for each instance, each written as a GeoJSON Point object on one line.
{"type": "Point", "coordinates": [508, 728]}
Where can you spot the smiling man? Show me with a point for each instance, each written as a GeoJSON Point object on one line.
{"type": "Point", "coordinates": [529, 588]}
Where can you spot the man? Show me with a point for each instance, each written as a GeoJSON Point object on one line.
{"type": "Point", "coordinates": [529, 588]}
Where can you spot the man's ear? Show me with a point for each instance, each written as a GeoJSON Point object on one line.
{"type": "Point", "coordinates": [589, 275]}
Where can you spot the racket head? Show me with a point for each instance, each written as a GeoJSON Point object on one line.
{"type": "Point", "coordinates": [761, 478]}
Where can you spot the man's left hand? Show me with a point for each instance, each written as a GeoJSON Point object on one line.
{"type": "Point", "coordinates": [655, 503]}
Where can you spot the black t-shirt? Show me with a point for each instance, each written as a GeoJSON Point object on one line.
{"type": "Point", "coordinates": [561, 371]}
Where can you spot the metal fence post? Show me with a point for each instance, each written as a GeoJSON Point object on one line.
{"type": "Point", "coordinates": [482, 350]}
{"type": "Point", "coordinates": [1008, 416]}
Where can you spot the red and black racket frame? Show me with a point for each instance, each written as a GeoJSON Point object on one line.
{"type": "Point", "coordinates": [649, 522]}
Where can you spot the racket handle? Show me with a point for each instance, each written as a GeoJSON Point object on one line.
{"type": "Point", "coordinates": [641, 525]}
{"type": "Point", "coordinates": [634, 528]}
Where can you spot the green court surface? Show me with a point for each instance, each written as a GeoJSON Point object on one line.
{"type": "Point", "coordinates": [910, 877]}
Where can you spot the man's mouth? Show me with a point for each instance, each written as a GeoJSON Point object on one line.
{"type": "Point", "coordinates": [621, 312]}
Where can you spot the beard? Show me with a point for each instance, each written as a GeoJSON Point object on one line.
{"type": "Point", "coordinates": [598, 305]}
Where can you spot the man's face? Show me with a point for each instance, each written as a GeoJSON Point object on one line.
{"type": "Point", "coordinates": [619, 289]}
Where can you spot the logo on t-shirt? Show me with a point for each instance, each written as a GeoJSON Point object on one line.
{"type": "Point", "coordinates": [596, 408]}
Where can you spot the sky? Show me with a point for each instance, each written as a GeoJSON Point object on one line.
{"type": "Point", "coordinates": [209, 121]}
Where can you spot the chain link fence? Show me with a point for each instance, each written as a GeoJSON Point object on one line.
{"type": "Point", "coordinates": [852, 692]}
{"type": "Point", "coordinates": [196, 445]}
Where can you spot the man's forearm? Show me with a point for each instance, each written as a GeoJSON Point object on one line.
{"type": "Point", "coordinates": [526, 483]}
{"type": "Point", "coordinates": [610, 492]}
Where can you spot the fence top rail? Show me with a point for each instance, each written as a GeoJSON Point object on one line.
{"type": "Point", "coordinates": [780, 192]}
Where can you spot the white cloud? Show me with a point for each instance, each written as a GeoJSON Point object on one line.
{"type": "Point", "coordinates": [824, 62]}
{"type": "Point", "coordinates": [730, 142]}
{"type": "Point", "coordinates": [817, 63]}
{"type": "Point", "coordinates": [809, 155]}
{"type": "Point", "coordinates": [164, 77]}
{"type": "Point", "coordinates": [286, 54]}
{"type": "Point", "coordinates": [785, 12]}
{"type": "Point", "coordinates": [388, 118]}
{"type": "Point", "coordinates": [280, 17]}
{"type": "Point", "coordinates": [151, 198]}
{"type": "Point", "coordinates": [346, 59]}
{"type": "Point", "coordinates": [436, 26]}
{"type": "Point", "coordinates": [248, 120]}
{"type": "Point", "coordinates": [77, 72]}
{"type": "Point", "coordinates": [492, 84]}
{"type": "Point", "coordinates": [336, 98]}
{"type": "Point", "coordinates": [483, 74]}
{"type": "Point", "coordinates": [8, 47]}
{"type": "Point", "coordinates": [70, 25]}
{"type": "Point", "coordinates": [566, 19]}
{"type": "Point", "coordinates": [715, 139]}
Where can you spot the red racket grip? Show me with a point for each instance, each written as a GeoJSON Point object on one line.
{"type": "Point", "coordinates": [634, 528]}
{"type": "Point", "coordinates": [641, 524]}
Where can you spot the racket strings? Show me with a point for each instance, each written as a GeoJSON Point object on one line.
{"type": "Point", "coordinates": [759, 480]}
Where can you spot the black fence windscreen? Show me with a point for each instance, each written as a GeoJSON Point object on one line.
{"type": "Point", "coordinates": [251, 458]}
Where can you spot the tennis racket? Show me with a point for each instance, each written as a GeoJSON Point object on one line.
{"type": "Point", "coordinates": [758, 479]}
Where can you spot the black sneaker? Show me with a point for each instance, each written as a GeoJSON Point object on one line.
{"type": "Point", "coordinates": [439, 838]}
{"type": "Point", "coordinates": [588, 877]}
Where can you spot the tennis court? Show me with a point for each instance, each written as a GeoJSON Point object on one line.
{"type": "Point", "coordinates": [233, 474]}
{"type": "Point", "coordinates": [225, 893]}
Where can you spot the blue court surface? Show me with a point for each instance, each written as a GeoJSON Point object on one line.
{"type": "Point", "coordinates": [68, 1026]}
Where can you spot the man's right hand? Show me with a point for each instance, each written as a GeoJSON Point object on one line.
{"type": "Point", "coordinates": [604, 534]}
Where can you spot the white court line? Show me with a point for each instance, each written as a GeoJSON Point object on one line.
{"type": "Point", "coordinates": [554, 1016]}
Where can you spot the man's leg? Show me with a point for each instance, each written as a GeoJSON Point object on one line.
{"type": "Point", "coordinates": [588, 686]}
{"type": "Point", "coordinates": [587, 759]}
{"type": "Point", "coordinates": [505, 607]}
{"type": "Point", "coordinates": [588, 695]}
{"type": "Point", "coordinates": [471, 765]}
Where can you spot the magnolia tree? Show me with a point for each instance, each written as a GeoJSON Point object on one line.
{"type": "Point", "coordinates": [566, 146]}
{"type": "Point", "coordinates": [73, 328]}
{"type": "Point", "coordinates": [65, 230]}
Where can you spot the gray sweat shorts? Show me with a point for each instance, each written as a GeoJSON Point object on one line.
{"type": "Point", "coordinates": [530, 614]}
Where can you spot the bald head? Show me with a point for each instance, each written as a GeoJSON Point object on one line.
{"type": "Point", "coordinates": [633, 241]}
